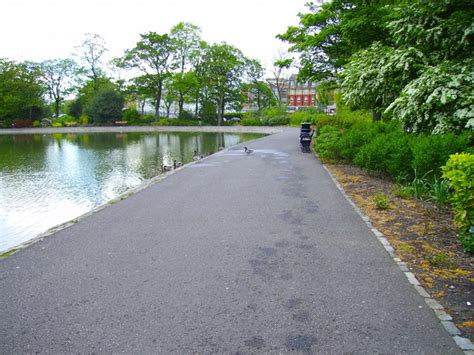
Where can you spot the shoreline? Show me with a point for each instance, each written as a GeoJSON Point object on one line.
{"type": "Point", "coordinates": [145, 129]}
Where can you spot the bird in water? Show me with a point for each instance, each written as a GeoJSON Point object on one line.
{"type": "Point", "coordinates": [248, 151]}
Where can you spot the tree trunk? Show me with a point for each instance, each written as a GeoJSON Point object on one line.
{"type": "Point", "coordinates": [376, 115]}
{"type": "Point", "coordinates": [180, 104]}
{"type": "Point", "coordinates": [158, 100]}
{"type": "Point", "coordinates": [220, 110]}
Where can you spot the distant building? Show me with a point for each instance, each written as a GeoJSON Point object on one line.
{"type": "Point", "coordinates": [300, 94]}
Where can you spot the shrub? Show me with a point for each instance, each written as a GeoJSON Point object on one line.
{"type": "Point", "coordinates": [381, 201]}
{"type": "Point", "coordinates": [130, 115]}
{"type": "Point", "coordinates": [299, 117]}
{"type": "Point", "coordinates": [251, 121]}
{"type": "Point", "coordinates": [64, 120]}
{"type": "Point", "coordinates": [459, 171]}
{"type": "Point", "coordinates": [36, 123]}
{"type": "Point", "coordinates": [430, 152]}
{"type": "Point", "coordinates": [105, 106]}
{"type": "Point", "coordinates": [84, 120]}
{"type": "Point", "coordinates": [327, 143]}
{"type": "Point", "coordinates": [354, 138]}
{"type": "Point", "coordinates": [386, 153]}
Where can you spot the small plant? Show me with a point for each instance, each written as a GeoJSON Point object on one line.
{"type": "Point", "coordinates": [419, 187]}
{"type": "Point", "coordinates": [406, 248]}
{"type": "Point", "coordinates": [440, 260]}
{"type": "Point", "coordinates": [440, 192]}
{"type": "Point", "coordinates": [381, 201]}
{"type": "Point", "coordinates": [401, 191]}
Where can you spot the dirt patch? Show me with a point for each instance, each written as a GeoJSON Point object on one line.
{"type": "Point", "coordinates": [423, 236]}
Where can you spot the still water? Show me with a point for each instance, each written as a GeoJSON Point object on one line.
{"type": "Point", "coordinates": [46, 180]}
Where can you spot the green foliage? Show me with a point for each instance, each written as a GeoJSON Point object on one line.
{"type": "Point", "coordinates": [130, 115]}
{"type": "Point", "coordinates": [64, 121]}
{"type": "Point", "coordinates": [431, 152]}
{"type": "Point", "coordinates": [251, 121]}
{"type": "Point", "coordinates": [381, 201]}
{"type": "Point", "coordinates": [106, 106]}
{"type": "Point", "coordinates": [440, 192]}
{"type": "Point", "coordinates": [439, 100]}
{"type": "Point", "coordinates": [439, 260]}
{"type": "Point", "coordinates": [386, 153]}
{"type": "Point", "coordinates": [401, 191]}
{"type": "Point", "coordinates": [20, 92]}
{"type": "Point", "coordinates": [84, 120]}
{"type": "Point", "coordinates": [459, 171]}
{"type": "Point", "coordinates": [327, 143]}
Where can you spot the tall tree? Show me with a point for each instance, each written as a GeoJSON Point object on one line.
{"type": "Point", "coordinates": [224, 69]}
{"type": "Point", "coordinates": [186, 40]}
{"type": "Point", "coordinates": [279, 81]}
{"type": "Point", "coordinates": [153, 57]}
{"type": "Point", "coordinates": [20, 91]}
{"type": "Point", "coordinates": [60, 77]}
{"type": "Point", "coordinates": [328, 35]}
{"type": "Point", "coordinates": [91, 52]}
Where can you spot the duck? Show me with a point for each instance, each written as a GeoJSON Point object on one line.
{"type": "Point", "coordinates": [248, 151]}
{"type": "Point", "coordinates": [165, 168]}
{"type": "Point", "coordinates": [177, 164]}
{"type": "Point", "coordinates": [196, 155]}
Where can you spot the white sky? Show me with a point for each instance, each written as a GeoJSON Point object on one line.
{"type": "Point", "coordinates": [45, 29]}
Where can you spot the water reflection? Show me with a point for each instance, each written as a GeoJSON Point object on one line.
{"type": "Point", "coordinates": [46, 180]}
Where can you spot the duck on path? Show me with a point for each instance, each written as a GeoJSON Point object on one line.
{"type": "Point", "coordinates": [165, 168]}
{"type": "Point", "coordinates": [248, 151]}
{"type": "Point", "coordinates": [177, 164]}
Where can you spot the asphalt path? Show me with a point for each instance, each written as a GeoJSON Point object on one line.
{"type": "Point", "coordinates": [234, 254]}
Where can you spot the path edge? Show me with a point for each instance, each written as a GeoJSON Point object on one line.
{"type": "Point", "coordinates": [444, 318]}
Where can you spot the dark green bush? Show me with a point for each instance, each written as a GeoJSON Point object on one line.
{"type": "Point", "coordinates": [130, 115]}
{"type": "Point", "coordinates": [430, 152]}
{"type": "Point", "coordinates": [386, 153]}
{"type": "Point", "coordinates": [354, 138]}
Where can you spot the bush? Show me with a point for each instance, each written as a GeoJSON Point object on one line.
{"type": "Point", "coordinates": [105, 106]}
{"type": "Point", "coordinates": [84, 120]}
{"type": "Point", "coordinates": [36, 123]}
{"type": "Point", "coordinates": [63, 121]}
{"type": "Point", "coordinates": [251, 121]}
{"type": "Point", "coordinates": [386, 153]}
{"type": "Point", "coordinates": [459, 171]}
{"type": "Point", "coordinates": [381, 201]}
{"type": "Point", "coordinates": [354, 138]}
{"type": "Point", "coordinates": [431, 152]}
{"type": "Point", "coordinates": [130, 115]}
{"type": "Point", "coordinates": [299, 117]}
{"type": "Point", "coordinates": [327, 143]}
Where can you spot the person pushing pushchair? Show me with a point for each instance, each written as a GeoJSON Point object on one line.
{"type": "Point", "coordinates": [306, 134]}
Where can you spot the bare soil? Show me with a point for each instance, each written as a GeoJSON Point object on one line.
{"type": "Point", "coordinates": [423, 236]}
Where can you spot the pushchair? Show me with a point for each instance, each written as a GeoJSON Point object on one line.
{"type": "Point", "coordinates": [305, 137]}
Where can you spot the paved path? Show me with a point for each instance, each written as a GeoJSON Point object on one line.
{"type": "Point", "coordinates": [234, 254]}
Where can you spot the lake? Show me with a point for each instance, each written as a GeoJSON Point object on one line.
{"type": "Point", "coordinates": [49, 179]}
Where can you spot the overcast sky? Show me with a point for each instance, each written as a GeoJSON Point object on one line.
{"type": "Point", "coordinates": [46, 29]}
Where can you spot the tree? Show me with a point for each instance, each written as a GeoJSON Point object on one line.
{"type": "Point", "coordinates": [20, 91]}
{"type": "Point", "coordinates": [330, 34]}
{"type": "Point", "coordinates": [153, 56]}
{"type": "Point", "coordinates": [224, 69]}
{"type": "Point", "coordinates": [87, 92]}
{"type": "Point", "coordinates": [59, 76]}
{"type": "Point", "coordinates": [279, 81]}
{"type": "Point", "coordinates": [259, 92]}
{"type": "Point", "coordinates": [186, 42]}
{"type": "Point", "coordinates": [424, 76]}
{"type": "Point", "coordinates": [105, 106]}
{"type": "Point", "coordinates": [91, 51]}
